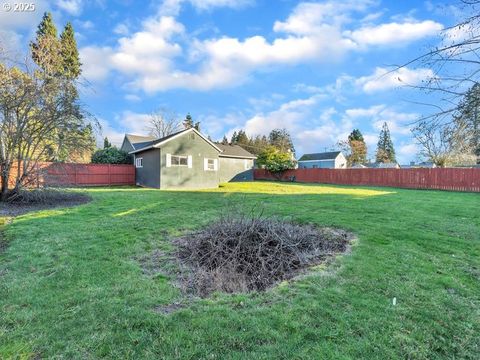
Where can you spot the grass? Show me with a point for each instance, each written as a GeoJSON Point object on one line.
{"type": "Point", "coordinates": [71, 287]}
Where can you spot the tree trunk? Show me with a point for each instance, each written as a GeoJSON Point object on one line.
{"type": "Point", "coordinates": [4, 187]}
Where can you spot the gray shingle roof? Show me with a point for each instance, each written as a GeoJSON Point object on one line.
{"type": "Point", "coordinates": [139, 147]}
{"type": "Point", "coordinates": [331, 155]}
{"type": "Point", "coordinates": [135, 139]}
{"type": "Point", "coordinates": [140, 141]}
{"type": "Point", "coordinates": [234, 151]}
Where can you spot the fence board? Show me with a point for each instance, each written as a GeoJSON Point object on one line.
{"type": "Point", "coordinates": [61, 174]}
{"type": "Point", "coordinates": [452, 179]}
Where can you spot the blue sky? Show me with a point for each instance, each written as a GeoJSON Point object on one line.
{"type": "Point", "coordinates": [316, 68]}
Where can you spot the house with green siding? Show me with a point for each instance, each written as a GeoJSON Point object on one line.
{"type": "Point", "coordinates": [187, 160]}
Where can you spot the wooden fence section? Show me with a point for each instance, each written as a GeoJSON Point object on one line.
{"type": "Point", "coordinates": [88, 174]}
{"type": "Point", "coordinates": [453, 179]}
{"type": "Point", "coordinates": [60, 174]}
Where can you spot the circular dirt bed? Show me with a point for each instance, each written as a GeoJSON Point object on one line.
{"type": "Point", "coordinates": [242, 254]}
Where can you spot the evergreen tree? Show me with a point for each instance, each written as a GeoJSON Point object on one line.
{"type": "Point", "coordinates": [234, 138]}
{"type": "Point", "coordinates": [188, 122]}
{"type": "Point", "coordinates": [357, 147]}
{"type": "Point", "coordinates": [69, 52]}
{"type": "Point", "coordinates": [242, 138]}
{"type": "Point", "coordinates": [46, 47]}
{"type": "Point", "coordinates": [385, 150]}
{"type": "Point", "coordinates": [257, 144]}
{"type": "Point", "coordinates": [281, 139]}
{"type": "Point", "coordinates": [106, 143]}
{"type": "Point", "coordinates": [47, 26]}
{"type": "Point", "coordinates": [224, 140]}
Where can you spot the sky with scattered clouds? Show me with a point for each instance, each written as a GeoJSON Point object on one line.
{"type": "Point", "coordinates": [316, 68]}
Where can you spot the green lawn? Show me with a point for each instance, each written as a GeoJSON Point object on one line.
{"type": "Point", "coordinates": [71, 287]}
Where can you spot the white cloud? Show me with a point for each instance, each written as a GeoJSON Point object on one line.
{"type": "Point", "coordinates": [308, 18]}
{"type": "Point", "coordinates": [393, 34]}
{"type": "Point", "coordinates": [73, 7]}
{"type": "Point", "coordinates": [10, 20]}
{"type": "Point", "coordinates": [95, 62]}
{"type": "Point", "coordinates": [314, 32]}
{"type": "Point", "coordinates": [408, 151]}
{"type": "Point", "coordinates": [87, 25]}
{"type": "Point", "coordinates": [121, 29]}
{"type": "Point", "coordinates": [132, 97]}
{"type": "Point", "coordinates": [172, 7]}
{"type": "Point", "coordinates": [384, 79]}
{"type": "Point", "coordinates": [113, 135]}
{"type": "Point", "coordinates": [10, 43]}
{"type": "Point", "coordinates": [132, 122]}
{"type": "Point", "coordinates": [399, 123]}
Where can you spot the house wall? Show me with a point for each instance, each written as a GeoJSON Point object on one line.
{"type": "Point", "coordinates": [232, 169]}
{"type": "Point", "coordinates": [196, 177]}
{"type": "Point", "coordinates": [340, 162]}
{"type": "Point", "coordinates": [149, 174]}
{"type": "Point", "coordinates": [126, 146]}
{"type": "Point", "coordinates": [330, 164]}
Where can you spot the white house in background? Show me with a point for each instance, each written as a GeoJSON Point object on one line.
{"type": "Point", "coordinates": [325, 160]}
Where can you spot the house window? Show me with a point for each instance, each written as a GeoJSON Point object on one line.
{"type": "Point", "coordinates": [179, 160]}
{"type": "Point", "coordinates": [139, 162]}
{"type": "Point", "coordinates": [315, 166]}
{"type": "Point", "coordinates": [246, 164]}
{"type": "Point", "coordinates": [210, 164]}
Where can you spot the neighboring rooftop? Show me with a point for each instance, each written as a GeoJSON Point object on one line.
{"type": "Point", "coordinates": [383, 165]}
{"type": "Point", "coordinates": [139, 141]}
{"type": "Point", "coordinates": [331, 155]}
{"type": "Point", "coordinates": [234, 151]}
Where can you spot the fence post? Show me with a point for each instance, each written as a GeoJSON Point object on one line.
{"type": "Point", "coordinates": [109, 175]}
{"type": "Point", "coordinates": [75, 174]}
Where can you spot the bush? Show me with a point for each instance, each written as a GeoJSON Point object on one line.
{"type": "Point", "coordinates": [111, 155]}
{"type": "Point", "coordinates": [275, 160]}
{"type": "Point", "coordinates": [248, 253]}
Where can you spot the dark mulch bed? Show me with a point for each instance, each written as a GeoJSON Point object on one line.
{"type": "Point", "coordinates": [41, 199]}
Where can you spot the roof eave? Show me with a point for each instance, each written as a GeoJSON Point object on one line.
{"type": "Point", "coordinates": [237, 156]}
{"type": "Point", "coordinates": [140, 150]}
{"type": "Point", "coordinates": [160, 144]}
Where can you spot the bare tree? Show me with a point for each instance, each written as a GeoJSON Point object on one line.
{"type": "Point", "coordinates": [454, 63]}
{"type": "Point", "coordinates": [36, 104]}
{"type": "Point", "coordinates": [455, 66]}
{"type": "Point", "coordinates": [163, 122]}
{"type": "Point", "coordinates": [444, 145]}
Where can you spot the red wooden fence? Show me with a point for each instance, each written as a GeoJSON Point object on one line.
{"type": "Point", "coordinates": [89, 174]}
{"type": "Point", "coordinates": [454, 179]}
{"type": "Point", "coordinates": [60, 174]}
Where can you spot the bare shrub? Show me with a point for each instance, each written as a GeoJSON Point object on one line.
{"type": "Point", "coordinates": [241, 253]}
{"type": "Point", "coordinates": [46, 196]}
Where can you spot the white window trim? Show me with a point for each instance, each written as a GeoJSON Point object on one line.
{"type": "Point", "coordinates": [170, 164]}
{"type": "Point", "coordinates": [206, 167]}
{"type": "Point", "coordinates": [139, 162]}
